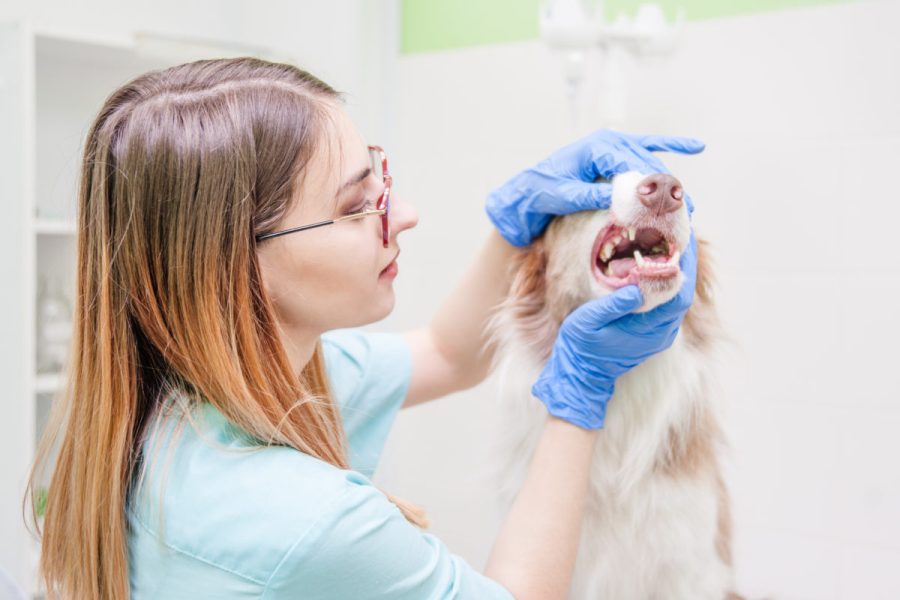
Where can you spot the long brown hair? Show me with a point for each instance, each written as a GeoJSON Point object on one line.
{"type": "Point", "coordinates": [182, 168]}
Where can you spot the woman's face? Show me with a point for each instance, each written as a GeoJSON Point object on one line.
{"type": "Point", "coordinates": [334, 276]}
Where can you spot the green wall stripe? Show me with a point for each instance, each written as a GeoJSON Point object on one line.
{"type": "Point", "coordinates": [441, 24]}
{"type": "Point", "coordinates": [444, 24]}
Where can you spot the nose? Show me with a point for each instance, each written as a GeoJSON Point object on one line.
{"type": "Point", "coordinates": [660, 193]}
{"type": "Point", "coordinates": [403, 216]}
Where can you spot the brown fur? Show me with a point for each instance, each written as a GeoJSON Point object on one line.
{"type": "Point", "coordinates": [700, 321]}
{"type": "Point", "coordinates": [527, 300]}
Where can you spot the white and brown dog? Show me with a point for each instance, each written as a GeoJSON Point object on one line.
{"type": "Point", "coordinates": [657, 525]}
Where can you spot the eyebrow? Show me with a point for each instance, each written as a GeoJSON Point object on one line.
{"type": "Point", "coordinates": [355, 180]}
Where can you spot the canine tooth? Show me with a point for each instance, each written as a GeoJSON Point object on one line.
{"type": "Point", "coordinates": [674, 260]}
{"type": "Point", "coordinates": [632, 232]}
{"type": "Point", "coordinates": [639, 258]}
{"type": "Point", "coordinates": [607, 251]}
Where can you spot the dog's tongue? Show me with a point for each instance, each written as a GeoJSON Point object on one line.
{"type": "Point", "coordinates": [620, 267]}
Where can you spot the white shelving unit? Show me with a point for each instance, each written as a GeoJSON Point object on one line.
{"type": "Point", "coordinates": [51, 86]}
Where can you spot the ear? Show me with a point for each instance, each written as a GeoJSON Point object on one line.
{"type": "Point", "coordinates": [527, 300]}
{"type": "Point", "coordinates": [529, 285]}
{"type": "Point", "coordinates": [705, 279]}
{"type": "Point", "coordinates": [700, 321]}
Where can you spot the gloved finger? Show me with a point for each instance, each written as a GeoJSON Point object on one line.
{"type": "Point", "coordinates": [690, 203]}
{"type": "Point", "coordinates": [678, 305]}
{"type": "Point", "coordinates": [683, 145]}
{"type": "Point", "coordinates": [582, 195]}
{"type": "Point", "coordinates": [600, 312]}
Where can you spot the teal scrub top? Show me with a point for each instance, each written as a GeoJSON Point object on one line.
{"type": "Point", "coordinates": [218, 517]}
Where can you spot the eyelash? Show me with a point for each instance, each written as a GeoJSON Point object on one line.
{"type": "Point", "coordinates": [361, 207]}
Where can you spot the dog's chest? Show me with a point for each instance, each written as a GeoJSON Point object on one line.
{"type": "Point", "coordinates": [651, 402]}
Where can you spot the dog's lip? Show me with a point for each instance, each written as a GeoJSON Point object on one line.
{"type": "Point", "coordinates": [637, 273]}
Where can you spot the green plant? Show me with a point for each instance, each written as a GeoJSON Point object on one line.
{"type": "Point", "coordinates": [40, 502]}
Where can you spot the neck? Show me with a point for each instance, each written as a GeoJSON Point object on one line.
{"type": "Point", "coordinates": [299, 344]}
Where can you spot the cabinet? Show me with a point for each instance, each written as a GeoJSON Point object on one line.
{"type": "Point", "coordinates": [51, 86]}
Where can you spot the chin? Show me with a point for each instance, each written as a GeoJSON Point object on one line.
{"type": "Point", "coordinates": [384, 306]}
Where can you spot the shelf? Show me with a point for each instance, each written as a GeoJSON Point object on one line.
{"type": "Point", "coordinates": [48, 383]}
{"type": "Point", "coordinates": [52, 84]}
{"type": "Point", "coordinates": [55, 227]}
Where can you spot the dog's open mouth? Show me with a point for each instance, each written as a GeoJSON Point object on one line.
{"type": "Point", "coordinates": [625, 255]}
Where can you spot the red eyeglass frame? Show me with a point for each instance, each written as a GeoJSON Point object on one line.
{"type": "Point", "coordinates": [382, 208]}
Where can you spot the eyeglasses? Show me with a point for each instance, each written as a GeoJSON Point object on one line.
{"type": "Point", "coordinates": [382, 206]}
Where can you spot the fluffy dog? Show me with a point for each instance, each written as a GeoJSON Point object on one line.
{"type": "Point", "coordinates": [657, 525]}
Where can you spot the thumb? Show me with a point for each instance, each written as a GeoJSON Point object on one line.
{"type": "Point", "coordinates": [603, 311]}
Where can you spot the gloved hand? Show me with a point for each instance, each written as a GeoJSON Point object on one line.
{"type": "Point", "coordinates": [600, 341]}
{"type": "Point", "coordinates": [563, 183]}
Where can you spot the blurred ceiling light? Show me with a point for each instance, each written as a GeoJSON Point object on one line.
{"type": "Point", "coordinates": [575, 28]}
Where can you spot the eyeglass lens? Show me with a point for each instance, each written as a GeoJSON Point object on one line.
{"type": "Point", "coordinates": [375, 158]}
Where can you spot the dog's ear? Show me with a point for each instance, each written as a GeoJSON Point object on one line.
{"type": "Point", "coordinates": [700, 321]}
{"type": "Point", "coordinates": [705, 279]}
{"type": "Point", "coordinates": [529, 285]}
{"type": "Point", "coordinates": [527, 300]}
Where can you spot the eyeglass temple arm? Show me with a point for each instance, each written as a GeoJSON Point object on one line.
{"type": "Point", "coordinates": [360, 215]}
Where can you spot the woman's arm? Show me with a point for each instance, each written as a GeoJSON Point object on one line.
{"type": "Point", "coordinates": [452, 352]}
{"type": "Point", "coordinates": [534, 554]}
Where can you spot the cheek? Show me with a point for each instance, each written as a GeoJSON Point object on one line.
{"type": "Point", "coordinates": [338, 281]}
{"type": "Point", "coordinates": [328, 281]}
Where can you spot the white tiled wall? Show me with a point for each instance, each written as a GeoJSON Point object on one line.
{"type": "Point", "coordinates": [798, 192]}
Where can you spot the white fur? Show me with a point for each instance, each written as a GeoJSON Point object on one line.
{"type": "Point", "coordinates": [647, 535]}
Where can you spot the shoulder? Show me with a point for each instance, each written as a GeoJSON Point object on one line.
{"type": "Point", "coordinates": [355, 355]}
{"type": "Point", "coordinates": [370, 374]}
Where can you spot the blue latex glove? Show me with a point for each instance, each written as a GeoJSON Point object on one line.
{"type": "Point", "coordinates": [600, 341]}
{"type": "Point", "coordinates": [563, 183]}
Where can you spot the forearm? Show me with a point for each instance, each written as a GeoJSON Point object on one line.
{"type": "Point", "coordinates": [459, 327]}
{"type": "Point", "coordinates": [534, 554]}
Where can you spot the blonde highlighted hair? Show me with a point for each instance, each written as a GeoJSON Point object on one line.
{"type": "Point", "coordinates": [182, 168]}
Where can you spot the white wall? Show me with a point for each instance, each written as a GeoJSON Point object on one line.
{"type": "Point", "coordinates": [797, 194]}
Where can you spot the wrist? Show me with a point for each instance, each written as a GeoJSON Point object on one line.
{"type": "Point", "coordinates": [584, 406]}
{"type": "Point", "coordinates": [570, 429]}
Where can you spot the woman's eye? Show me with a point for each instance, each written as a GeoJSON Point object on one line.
{"type": "Point", "coordinates": [361, 208]}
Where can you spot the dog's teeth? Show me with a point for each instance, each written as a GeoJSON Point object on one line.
{"type": "Point", "coordinates": [607, 251]}
{"type": "Point", "coordinates": [674, 260]}
{"type": "Point", "coordinates": [632, 232]}
{"type": "Point", "coordinates": [639, 258]}
{"type": "Point", "coordinates": [608, 271]}
{"type": "Point", "coordinates": [656, 249]}
{"type": "Point", "coordinates": [615, 241]}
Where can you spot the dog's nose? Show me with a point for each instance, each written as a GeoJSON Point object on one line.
{"type": "Point", "coordinates": [661, 193]}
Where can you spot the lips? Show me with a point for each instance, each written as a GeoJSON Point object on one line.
{"type": "Point", "coordinates": [628, 255]}
{"type": "Point", "coordinates": [390, 265]}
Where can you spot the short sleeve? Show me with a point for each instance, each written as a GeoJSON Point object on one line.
{"type": "Point", "coordinates": [369, 375]}
{"type": "Point", "coordinates": [364, 548]}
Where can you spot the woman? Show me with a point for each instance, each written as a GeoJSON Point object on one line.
{"type": "Point", "coordinates": [218, 434]}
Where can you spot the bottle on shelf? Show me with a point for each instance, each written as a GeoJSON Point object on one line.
{"type": "Point", "coordinates": [54, 326]}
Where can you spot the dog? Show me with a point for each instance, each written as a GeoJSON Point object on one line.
{"type": "Point", "coordinates": [657, 524]}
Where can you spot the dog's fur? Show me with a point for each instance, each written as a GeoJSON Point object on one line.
{"type": "Point", "coordinates": [657, 524]}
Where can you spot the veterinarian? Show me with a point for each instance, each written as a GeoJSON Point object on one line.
{"type": "Point", "coordinates": [223, 419]}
